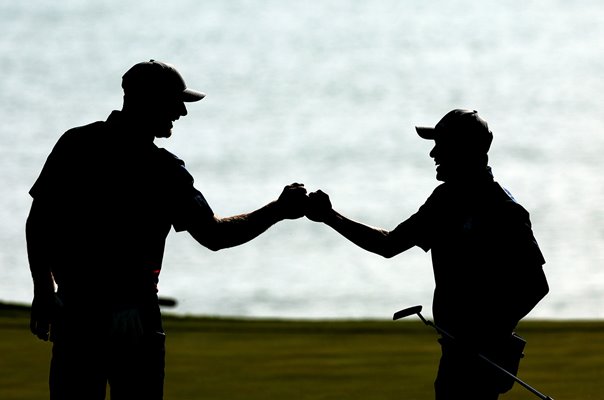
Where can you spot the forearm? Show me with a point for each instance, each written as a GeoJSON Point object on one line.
{"type": "Point", "coordinates": [239, 229]}
{"type": "Point", "coordinates": [372, 239]}
{"type": "Point", "coordinates": [37, 252]}
{"type": "Point", "coordinates": [43, 280]}
{"type": "Point", "coordinates": [220, 233]}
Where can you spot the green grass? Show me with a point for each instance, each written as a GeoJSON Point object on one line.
{"type": "Point", "coordinates": [262, 359]}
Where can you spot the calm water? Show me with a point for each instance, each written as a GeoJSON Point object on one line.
{"type": "Point", "coordinates": [326, 93]}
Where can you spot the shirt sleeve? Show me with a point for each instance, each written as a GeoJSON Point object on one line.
{"type": "Point", "coordinates": [418, 230]}
{"type": "Point", "coordinates": [54, 175]}
{"type": "Point", "coordinates": [189, 206]}
{"type": "Point", "coordinates": [194, 209]}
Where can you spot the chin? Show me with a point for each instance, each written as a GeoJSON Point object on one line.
{"type": "Point", "coordinates": [441, 175]}
{"type": "Point", "coordinates": [164, 134]}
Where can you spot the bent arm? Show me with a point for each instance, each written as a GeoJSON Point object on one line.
{"type": "Point", "coordinates": [233, 231]}
{"type": "Point", "coordinates": [375, 240]}
{"type": "Point", "coordinates": [220, 233]}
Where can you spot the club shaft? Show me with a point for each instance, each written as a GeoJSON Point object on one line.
{"type": "Point", "coordinates": [514, 377]}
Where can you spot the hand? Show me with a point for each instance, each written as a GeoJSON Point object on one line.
{"type": "Point", "coordinates": [318, 207]}
{"type": "Point", "coordinates": [44, 309]}
{"type": "Point", "coordinates": [292, 201]}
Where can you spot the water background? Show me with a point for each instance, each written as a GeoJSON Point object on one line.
{"type": "Point", "coordinates": [326, 93]}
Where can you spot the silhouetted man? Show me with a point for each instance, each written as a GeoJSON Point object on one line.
{"type": "Point", "coordinates": [102, 208]}
{"type": "Point", "coordinates": [487, 264]}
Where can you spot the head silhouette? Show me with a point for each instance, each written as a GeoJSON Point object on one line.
{"type": "Point", "coordinates": [155, 94]}
{"type": "Point", "coordinates": [461, 142]}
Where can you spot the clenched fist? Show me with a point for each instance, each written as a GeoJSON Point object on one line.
{"type": "Point", "coordinates": [293, 201]}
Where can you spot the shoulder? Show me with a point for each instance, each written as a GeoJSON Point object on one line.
{"type": "Point", "coordinates": [506, 212]}
{"type": "Point", "coordinates": [440, 191]}
{"type": "Point", "coordinates": [65, 160]}
{"type": "Point", "coordinates": [442, 194]}
{"type": "Point", "coordinates": [434, 205]}
{"type": "Point", "coordinates": [75, 143]}
{"type": "Point", "coordinates": [80, 136]}
{"type": "Point", "coordinates": [169, 158]}
{"type": "Point", "coordinates": [173, 168]}
{"type": "Point", "coordinates": [80, 131]}
{"type": "Point", "coordinates": [507, 201]}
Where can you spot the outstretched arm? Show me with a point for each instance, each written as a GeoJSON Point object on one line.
{"type": "Point", "coordinates": [372, 239]}
{"type": "Point", "coordinates": [222, 233]}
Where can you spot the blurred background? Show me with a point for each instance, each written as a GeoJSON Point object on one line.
{"type": "Point", "coordinates": [325, 93]}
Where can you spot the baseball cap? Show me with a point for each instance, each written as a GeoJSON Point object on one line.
{"type": "Point", "coordinates": [155, 77]}
{"type": "Point", "coordinates": [462, 128]}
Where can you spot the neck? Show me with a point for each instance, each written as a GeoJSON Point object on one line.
{"type": "Point", "coordinates": [471, 177]}
{"type": "Point", "coordinates": [137, 127]}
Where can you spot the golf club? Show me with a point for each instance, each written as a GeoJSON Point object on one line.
{"type": "Point", "coordinates": [417, 310]}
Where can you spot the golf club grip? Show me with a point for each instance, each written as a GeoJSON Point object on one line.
{"type": "Point", "coordinates": [406, 312]}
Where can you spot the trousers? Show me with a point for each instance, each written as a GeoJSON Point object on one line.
{"type": "Point", "coordinates": [463, 375]}
{"type": "Point", "coordinates": [128, 360]}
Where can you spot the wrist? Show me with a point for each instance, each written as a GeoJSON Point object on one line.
{"type": "Point", "coordinates": [44, 290]}
{"type": "Point", "coordinates": [276, 211]}
{"type": "Point", "coordinates": [331, 217]}
{"type": "Point", "coordinates": [44, 296]}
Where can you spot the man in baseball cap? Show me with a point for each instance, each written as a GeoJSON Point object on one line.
{"type": "Point", "coordinates": [103, 205]}
{"type": "Point", "coordinates": [155, 94]}
{"type": "Point", "coordinates": [462, 140]}
{"type": "Point", "coordinates": [486, 262]}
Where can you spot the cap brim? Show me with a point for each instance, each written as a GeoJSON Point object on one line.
{"type": "Point", "coordinates": [426, 132]}
{"type": "Point", "coordinates": [189, 95]}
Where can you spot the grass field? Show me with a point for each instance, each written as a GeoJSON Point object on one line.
{"type": "Point", "coordinates": [263, 359]}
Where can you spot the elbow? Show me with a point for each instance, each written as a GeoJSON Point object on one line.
{"type": "Point", "coordinates": [380, 251]}
{"type": "Point", "coordinates": [209, 243]}
{"type": "Point", "coordinates": [212, 246]}
{"type": "Point", "coordinates": [387, 253]}
{"type": "Point", "coordinates": [389, 249]}
{"type": "Point", "coordinates": [208, 235]}
{"type": "Point", "coordinates": [386, 246]}
{"type": "Point", "coordinates": [392, 247]}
